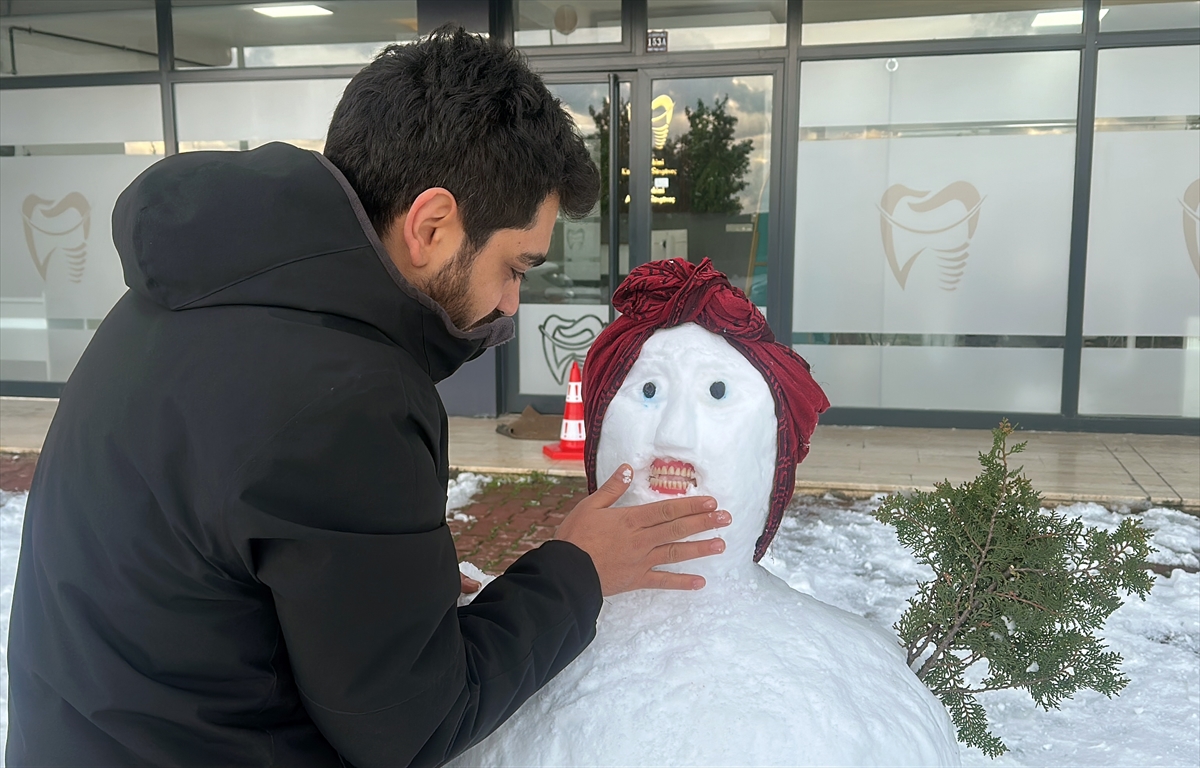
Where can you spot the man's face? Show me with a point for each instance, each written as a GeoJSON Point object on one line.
{"type": "Point", "coordinates": [694, 417]}
{"type": "Point", "coordinates": [476, 288]}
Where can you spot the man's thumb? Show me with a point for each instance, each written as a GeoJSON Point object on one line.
{"type": "Point", "coordinates": [615, 486]}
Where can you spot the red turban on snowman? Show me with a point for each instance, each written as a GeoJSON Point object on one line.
{"type": "Point", "coordinates": [664, 294]}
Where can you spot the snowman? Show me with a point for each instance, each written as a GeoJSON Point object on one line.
{"type": "Point", "coordinates": [689, 390]}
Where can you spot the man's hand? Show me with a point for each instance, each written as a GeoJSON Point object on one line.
{"type": "Point", "coordinates": [626, 543]}
{"type": "Point", "coordinates": [469, 585]}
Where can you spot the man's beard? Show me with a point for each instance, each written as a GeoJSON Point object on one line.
{"type": "Point", "coordinates": [451, 288]}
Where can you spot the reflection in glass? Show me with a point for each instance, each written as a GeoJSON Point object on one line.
{"type": "Point", "coordinates": [583, 22]}
{"type": "Point", "coordinates": [77, 37]}
{"type": "Point", "coordinates": [1141, 320]}
{"type": "Point", "coordinates": [863, 21]}
{"type": "Point", "coordinates": [237, 34]}
{"type": "Point", "coordinates": [711, 172]}
{"type": "Point", "coordinates": [706, 26]}
{"type": "Point", "coordinates": [564, 302]}
{"type": "Point", "coordinates": [1129, 15]}
{"type": "Point", "coordinates": [577, 265]}
{"type": "Point", "coordinates": [933, 222]}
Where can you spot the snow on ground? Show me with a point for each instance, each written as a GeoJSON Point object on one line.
{"type": "Point", "coordinates": [459, 493]}
{"type": "Point", "coordinates": [12, 513]}
{"type": "Point", "coordinates": [841, 555]}
{"type": "Point", "coordinates": [838, 553]}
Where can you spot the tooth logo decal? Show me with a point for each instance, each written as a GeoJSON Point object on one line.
{"type": "Point", "coordinates": [660, 122]}
{"type": "Point", "coordinates": [1191, 222]}
{"type": "Point", "coordinates": [943, 223]}
{"type": "Point", "coordinates": [57, 227]}
{"type": "Point", "coordinates": [565, 341]}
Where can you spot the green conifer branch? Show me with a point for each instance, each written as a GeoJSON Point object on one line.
{"type": "Point", "coordinates": [1017, 587]}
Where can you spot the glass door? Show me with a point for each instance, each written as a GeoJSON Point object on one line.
{"type": "Point", "coordinates": [710, 171]}
{"type": "Point", "coordinates": [565, 303]}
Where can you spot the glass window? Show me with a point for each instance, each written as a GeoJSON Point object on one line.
{"type": "Point", "coordinates": [706, 26]}
{"type": "Point", "coordinates": [65, 156]}
{"type": "Point", "coordinates": [933, 227]}
{"type": "Point", "coordinates": [865, 21]}
{"type": "Point", "coordinates": [550, 22]}
{"type": "Point", "coordinates": [564, 302]}
{"type": "Point", "coordinates": [329, 32]}
{"type": "Point", "coordinates": [1129, 15]}
{"type": "Point", "coordinates": [711, 174]}
{"type": "Point", "coordinates": [245, 115]}
{"type": "Point", "coordinates": [58, 38]}
{"type": "Point", "coordinates": [1141, 318]}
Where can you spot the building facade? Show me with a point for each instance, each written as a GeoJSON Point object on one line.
{"type": "Point", "coordinates": [956, 210]}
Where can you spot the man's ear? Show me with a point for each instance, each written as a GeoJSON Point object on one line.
{"type": "Point", "coordinates": [431, 229]}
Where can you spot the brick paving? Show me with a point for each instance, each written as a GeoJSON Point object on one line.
{"type": "Point", "coordinates": [512, 515]}
{"type": "Point", "coordinates": [16, 471]}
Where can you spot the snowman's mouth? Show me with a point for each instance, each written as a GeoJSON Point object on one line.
{"type": "Point", "coordinates": [672, 478]}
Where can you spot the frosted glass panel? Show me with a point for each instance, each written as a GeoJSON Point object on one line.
{"type": "Point", "coordinates": [1141, 320]}
{"type": "Point", "coordinates": [958, 234]}
{"type": "Point", "coordinates": [933, 224]}
{"type": "Point", "coordinates": [73, 152]}
{"type": "Point", "coordinates": [1137, 82]}
{"type": "Point", "coordinates": [940, 89]}
{"type": "Point", "coordinates": [1147, 382]}
{"type": "Point", "coordinates": [950, 378]}
{"type": "Point", "coordinates": [247, 114]}
{"type": "Point", "coordinates": [107, 114]}
{"type": "Point", "coordinates": [1143, 268]}
{"type": "Point", "coordinates": [59, 270]}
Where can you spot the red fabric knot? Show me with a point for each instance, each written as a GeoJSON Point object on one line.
{"type": "Point", "coordinates": [665, 294]}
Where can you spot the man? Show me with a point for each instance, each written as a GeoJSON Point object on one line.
{"type": "Point", "coordinates": [235, 550]}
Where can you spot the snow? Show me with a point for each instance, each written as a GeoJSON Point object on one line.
{"type": "Point", "coordinates": [836, 552]}
{"type": "Point", "coordinates": [459, 493]}
{"type": "Point", "coordinates": [841, 555]}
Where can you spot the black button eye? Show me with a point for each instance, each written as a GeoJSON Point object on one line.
{"type": "Point", "coordinates": [648, 390]}
{"type": "Point", "coordinates": [717, 390]}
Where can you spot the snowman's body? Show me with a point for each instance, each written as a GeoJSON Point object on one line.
{"type": "Point", "coordinates": [746, 671]}
{"type": "Point", "coordinates": [763, 676]}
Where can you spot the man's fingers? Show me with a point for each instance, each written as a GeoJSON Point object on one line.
{"type": "Point", "coordinates": [650, 515]}
{"type": "Point", "coordinates": [679, 551]}
{"type": "Point", "coordinates": [683, 527]}
{"type": "Point", "coordinates": [665, 580]}
{"type": "Point", "coordinates": [468, 585]}
{"type": "Point", "coordinates": [613, 488]}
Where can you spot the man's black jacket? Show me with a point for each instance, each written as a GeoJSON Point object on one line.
{"type": "Point", "coordinates": [235, 549]}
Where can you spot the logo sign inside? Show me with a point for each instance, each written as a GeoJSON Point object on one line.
{"type": "Point", "coordinates": [57, 228]}
{"type": "Point", "coordinates": [1191, 222]}
{"type": "Point", "coordinates": [565, 341]}
{"type": "Point", "coordinates": [913, 222]}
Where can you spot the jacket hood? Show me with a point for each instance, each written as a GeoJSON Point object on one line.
{"type": "Point", "coordinates": [277, 226]}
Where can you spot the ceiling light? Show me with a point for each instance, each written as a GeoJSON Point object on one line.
{"type": "Point", "coordinates": [292, 11]}
{"type": "Point", "coordinates": [1061, 18]}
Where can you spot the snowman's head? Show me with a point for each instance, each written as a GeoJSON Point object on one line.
{"type": "Point", "coordinates": [695, 418]}
{"type": "Point", "coordinates": [689, 386]}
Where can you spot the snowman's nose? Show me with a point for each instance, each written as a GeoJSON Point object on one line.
{"type": "Point", "coordinates": [677, 428]}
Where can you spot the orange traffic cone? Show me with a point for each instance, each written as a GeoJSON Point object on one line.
{"type": "Point", "coordinates": [570, 446]}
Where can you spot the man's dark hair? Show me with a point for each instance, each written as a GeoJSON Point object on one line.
{"type": "Point", "coordinates": [466, 113]}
